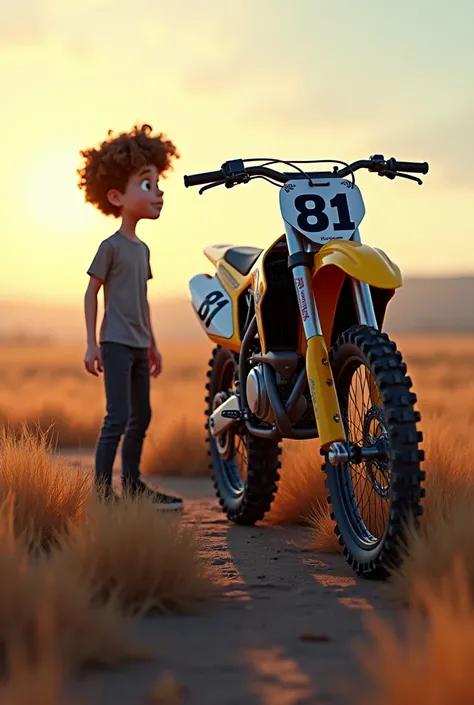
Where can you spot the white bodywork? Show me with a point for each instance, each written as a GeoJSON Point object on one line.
{"type": "Point", "coordinates": [328, 210]}
{"type": "Point", "coordinates": [213, 305]}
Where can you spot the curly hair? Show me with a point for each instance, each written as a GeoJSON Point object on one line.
{"type": "Point", "coordinates": [118, 157]}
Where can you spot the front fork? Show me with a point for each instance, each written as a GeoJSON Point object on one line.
{"type": "Point", "coordinates": [318, 369]}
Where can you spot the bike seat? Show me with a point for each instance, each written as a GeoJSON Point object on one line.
{"type": "Point", "coordinates": [242, 258]}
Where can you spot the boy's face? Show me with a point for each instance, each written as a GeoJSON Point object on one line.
{"type": "Point", "coordinates": [143, 197]}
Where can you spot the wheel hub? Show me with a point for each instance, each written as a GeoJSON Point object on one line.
{"type": "Point", "coordinates": [377, 438]}
{"type": "Point", "coordinates": [374, 452]}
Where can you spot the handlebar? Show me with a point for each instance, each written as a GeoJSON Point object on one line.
{"type": "Point", "coordinates": [234, 172]}
{"type": "Point", "coordinates": [208, 177]}
{"type": "Point", "coordinates": [413, 167]}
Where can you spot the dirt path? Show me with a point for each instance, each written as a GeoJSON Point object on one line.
{"type": "Point", "coordinates": [247, 649]}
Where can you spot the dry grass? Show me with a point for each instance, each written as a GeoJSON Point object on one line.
{"type": "Point", "coordinates": [432, 661]}
{"type": "Point", "coordinates": [447, 529]}
{"type": "Point", "coordinates": [40, 682]}
{"type": "Point", "coordinates": [148, 559]}
{"type": "Point", "coordinates": [92, 633]}
{"type": "Point", "coordinates": [301, 486]}
{"type": "Point", "coordinates": [182, 450]}
{"type": "Point", "coordinates": [47, 385]}
{"type": "Point", "coordinates": [431, 551]}
{"type": "Point", "coordinates": [324, 538]}
{"type": "Point", "coordinates": [71, 607]}
{"type": "Point", "coordinates": [87, 632]}
{"type": "Point", "coordinates": [140, 560]}
{"type": "Point", "coordinates": [48, 495]}
{"type": "Point", "coordinates": [301, 496]}
{"type": "Point", "coordinates": [167, 691]}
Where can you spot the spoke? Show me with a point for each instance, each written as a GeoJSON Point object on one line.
{"type": "Point", "coordinates": [366, 504]}
{"type": "Point", "coordinates": [355, 405]}
{"type": "Point", "coordinates": [376, 518]}
{"type": "Point", "coordinates": [364, 388]}
{"type": "Point", "coordinates": [368, 479]}
{"type": "Point", "coordinates": [359, 478]}
{"type": "Point", "coordinates": [241, 453]}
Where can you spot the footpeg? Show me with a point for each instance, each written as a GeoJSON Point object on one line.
{"type": "Point", "coordinates": [233, 414]}
{"type": "Point", "coordinates": [226, 414]}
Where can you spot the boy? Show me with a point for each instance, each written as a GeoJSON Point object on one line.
{"type": "Point", "coordinates": [120, 178]}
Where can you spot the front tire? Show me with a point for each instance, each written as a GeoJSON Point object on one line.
{"type": "Point", "coordinates": [244, 468]}
{"type": "Point", "coordinates": [372, 501]}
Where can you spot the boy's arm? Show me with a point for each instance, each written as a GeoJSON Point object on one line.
{"type": "Point", "coordinates": [154, 354]}
{"type": "Point", "coordinates": [93, 355]}
{"type": "Point", "coordinates": [152, 335]}
{"type": "Point", "coordinates": [98, 272]}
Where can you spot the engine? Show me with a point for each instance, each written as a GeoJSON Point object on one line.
{"type": "Point", "coordinates": [259, 400]}
{"type": "Point", "coordinates": [257, 395]}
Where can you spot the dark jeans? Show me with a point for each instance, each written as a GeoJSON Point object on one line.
{"type": "Point", "coordinates": [127, 388]}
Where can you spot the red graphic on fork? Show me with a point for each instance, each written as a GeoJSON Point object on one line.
{"type": "Point", "coordinates": [302, 298]}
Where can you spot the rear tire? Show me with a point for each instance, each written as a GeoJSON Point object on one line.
{"type": "Point", "coordinates": [245, 486]}
{"type": "Point", "coordinates": [392, 412]}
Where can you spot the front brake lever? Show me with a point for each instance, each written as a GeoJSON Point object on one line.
{"type": "Point", "coordinates": [390, 174]}
{"type": "Point", "coordinates": [205, 188]}
{"type": "Point", "coordinates": [409, 176]}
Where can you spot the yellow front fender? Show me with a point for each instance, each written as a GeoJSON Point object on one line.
{"type": "Point", "coordinates": [359, 261]}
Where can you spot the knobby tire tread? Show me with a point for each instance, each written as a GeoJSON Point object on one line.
{"type": "Point", "coordinates": [389, 371]}
{"type": "Point", "coordinates": [262, 469]}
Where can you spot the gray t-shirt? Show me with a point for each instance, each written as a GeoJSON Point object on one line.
{"type": "Point", "coordinates": [123, 265]}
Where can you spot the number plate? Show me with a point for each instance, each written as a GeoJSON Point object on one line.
{"type": "Point", "coordinates": [331, 210]}
{"type": "Point", "coordinates": [212, 305]}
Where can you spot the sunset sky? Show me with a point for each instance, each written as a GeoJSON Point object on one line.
{"type": "Point", "coordinates": [226, 79]}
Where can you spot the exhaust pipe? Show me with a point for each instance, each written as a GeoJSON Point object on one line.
{"type": "Point", "coordinates": [226, 414]}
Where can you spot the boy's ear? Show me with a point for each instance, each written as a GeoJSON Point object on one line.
{"type": "Point", "coordinates": [114, 197]}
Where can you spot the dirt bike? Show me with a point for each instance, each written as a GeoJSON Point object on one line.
{"type": "Point", "coordinates": [301, 354]}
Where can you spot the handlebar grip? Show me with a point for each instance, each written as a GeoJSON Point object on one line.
{"type": "Point", "coordinates": [204, 178]}
{"type": "Point", "coordinates": [414, 167]}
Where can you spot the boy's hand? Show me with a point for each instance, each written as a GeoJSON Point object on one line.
{"type": "Point", "coordinates": [93, 360]}
{"type": "Point", "coordinates": [154, 356]}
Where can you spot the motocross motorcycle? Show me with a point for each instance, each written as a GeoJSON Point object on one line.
{"type": "Point", "coordinates": [301, 354]}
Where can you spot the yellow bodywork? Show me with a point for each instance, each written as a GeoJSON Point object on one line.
{"type": "Point", "coordinates": [340, 259]}
{"type": "Point", "coordinates": [359, 261]}
{"type": "Point", "coordinates": [323, 392]}
{"type": "Point", "coordinates": [234, 283]}
{"type": "Point", "coordinates": [334, 262]}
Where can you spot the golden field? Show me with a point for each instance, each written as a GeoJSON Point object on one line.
{"type": "Point", "coordinates": [47, 386]}
{"type": "Point", "coordinates": [67, 597]}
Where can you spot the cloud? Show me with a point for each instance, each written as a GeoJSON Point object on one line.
{"type": "Point", "coordinates": [21, 22]}
{"type": "Point", "coordinates": [447, 144]}
{"type": "Point", "coordinates": [270, 68]}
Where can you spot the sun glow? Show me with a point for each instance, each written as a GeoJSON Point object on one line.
{"type": "Point", "coordinates": [53, 197]}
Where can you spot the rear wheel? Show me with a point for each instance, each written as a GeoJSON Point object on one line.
{"type": "Point", "coordinates": [244, 468]}
{"type": "Point", "coordinates": [372, 500]}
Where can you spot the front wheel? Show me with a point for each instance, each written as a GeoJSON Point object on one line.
{"type": "Point", "coordinates": [373, 499]}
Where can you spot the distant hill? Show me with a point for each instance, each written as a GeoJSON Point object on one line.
{"type": "Point", "coordinates": [422, 305]}
{"type": "Point", "coordinates": [433, 305]}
